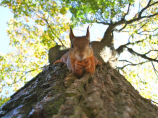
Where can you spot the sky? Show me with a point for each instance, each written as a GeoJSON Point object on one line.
{"type": "Point", "coordinates": [5, 15]}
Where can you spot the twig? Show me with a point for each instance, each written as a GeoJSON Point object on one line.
{"type": "Point", "coordinates": [141, 55]}
{"type": "Point", "coordinates": [132, 64]}
{"type": "Point", "coordinates": [154, 102]}
{"type": "Point", "coordinates": [51, 28]}
{"type": "Point", "coordinates": [155, 70]}
{"type": "Point", "coordinates": [47, 24]}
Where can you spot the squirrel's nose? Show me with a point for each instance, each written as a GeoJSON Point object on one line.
{"type": "Point", "coordinates": [81, 56]}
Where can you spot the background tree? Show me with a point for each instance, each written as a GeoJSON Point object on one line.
{"type": "Point", "coordinates": [39, 25]}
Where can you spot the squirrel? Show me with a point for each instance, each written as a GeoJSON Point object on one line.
{"type": "Point", "coordinates": [80, 58]}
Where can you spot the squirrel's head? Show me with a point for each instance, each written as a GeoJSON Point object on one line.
{"type": "Point", "coordinates": [80, 46]}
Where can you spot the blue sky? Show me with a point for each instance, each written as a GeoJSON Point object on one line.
{"type": "Point", "coordinates": [5, 15]}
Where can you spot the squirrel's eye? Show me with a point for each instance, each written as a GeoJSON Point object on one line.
{"type": "Point", "coordinates": [72, 46]}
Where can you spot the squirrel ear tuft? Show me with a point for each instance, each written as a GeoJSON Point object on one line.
{"type": "Point", "coordinates": [88, 34]}
{"type": "Point", "coordinates": [71, 35]}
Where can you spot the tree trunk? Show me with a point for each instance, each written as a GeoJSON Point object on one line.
{"type": "Point", "coordinates": [57, 93]}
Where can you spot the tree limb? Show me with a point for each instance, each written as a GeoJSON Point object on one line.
{"type": "Point", "coordinates": [43, 18]}
{"type": "Point", "coordinates": [120, 48]}
{"type": "Point", "coordinates": [25, 72]}
{"type": "Point", "coordinates": [141, 55]}
{"type": "Point", "coordinates": [123, 21]}
{"type": "Point", "coordinates": [131, 64]}
{"type": "Point", "coordinates": [51, 29]}
{"type": "Point", "coordinates": [127, 11]}
{"type": "Point", "coordinates": [149, 52]}
{"type": "Point", "coordinates": [140, 13]}
{"type": "Point", "coordinates": [104, 23]}
{"type": "Point", "coordinates": [148, 31]}
{"type": "Point", "coordinates": [155, 70]}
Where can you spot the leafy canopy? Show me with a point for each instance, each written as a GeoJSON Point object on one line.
{"type": "Point", "coordinates": [36, 27]}
{"type": "Point", "coordinates": [98, 10]}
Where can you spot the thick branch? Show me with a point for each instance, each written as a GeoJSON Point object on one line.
{"type": "Point", "coordinates": [109, 31]}
{"type": "Point", "coordinates": [123, 21]}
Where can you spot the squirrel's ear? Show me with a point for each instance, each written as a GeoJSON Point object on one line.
{"type": "Point", "coordinates": [71, 35]}
{"type": "Point", "coordinates": [88, 34]}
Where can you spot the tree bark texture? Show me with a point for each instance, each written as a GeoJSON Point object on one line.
{"type": "Point", "coordinates": [57, 93]}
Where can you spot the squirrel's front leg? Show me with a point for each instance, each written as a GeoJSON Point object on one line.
{"type": "Point", "coordinates": [90, 65]}
{"type": "Point", "coordinates": [76, 67]}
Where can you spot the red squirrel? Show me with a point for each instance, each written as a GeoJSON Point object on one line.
{"type": "Point", "coordinates": [80, 57]}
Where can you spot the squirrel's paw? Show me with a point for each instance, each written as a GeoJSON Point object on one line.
{"type": "Point", "coordinates": [100, 63]}
{"type": "Point", "coordinates": [78, 65]}
{"type": "Point", "coordinates": [56, 62]}
{"type": "Point", "coordinates": [88, 63]}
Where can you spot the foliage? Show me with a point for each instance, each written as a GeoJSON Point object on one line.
{"type": "Point", "coordinates": [35, 28]}
{"type": "Point", "coordinates": [3, 100]}
{"type": "Point", "coordinates": [97, 11]}
{"type": "Point", "coordinates": [38, 25]}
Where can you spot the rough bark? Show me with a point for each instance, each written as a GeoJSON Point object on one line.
{"type": "Point", "coordinates": [57, 93]}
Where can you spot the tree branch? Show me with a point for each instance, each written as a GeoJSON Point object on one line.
{"type": "Point", "coordinates": [141, 55]}
{"type": "Point", "coordinates": [127, 11]}
{"type": "Point", "coordinates": [104, 23]}
{"type": "Point", "coordinates": [123, 21]}
{"type": "Point", "coordinates": [155, 70]}
{"type": "Point", "coordinates": [126, 61]}
{"type": "Point", "coordinates": [108, 38]}
{"type": "Point", "coordinates": [140, 13]}
{"type": "Point", "coordinates": [43, 18]}
{"type": "Point", "coordinates": [25, 72]}
{"type": "Point", "coordinates": [121, 28]}
{"type": "Point", "coordinates": [149, 52]}
{"type": "Point", "coordinates": [148, 31]}
{"type": "Point", "coordinates": [131, 64]}
{"type": "Point", "coordinates": [120, 48]}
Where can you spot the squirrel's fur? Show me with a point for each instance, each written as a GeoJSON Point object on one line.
{"type": "Point", "coordinates": [80, 57]}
